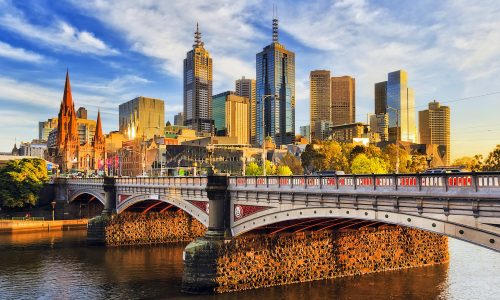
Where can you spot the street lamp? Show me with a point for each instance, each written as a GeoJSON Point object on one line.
{"type": "Point", "coordinates": [264, 156]}
{"type": "Point", "coordinates": [53, 209]}
{"type": "Point", "coordinates": [397, 137]}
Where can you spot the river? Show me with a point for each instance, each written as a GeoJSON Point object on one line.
{"type": "Point", "coordinates": [59, 265]}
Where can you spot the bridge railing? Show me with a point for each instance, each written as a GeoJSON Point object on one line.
{"type": "Point", "coordinates": [163, 181]}
{"type": "Point", "coordinates": [93, 181]}
{"type": "Point", "coordinates": [473, 181]}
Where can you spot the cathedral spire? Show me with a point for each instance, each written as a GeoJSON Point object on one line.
{"type": "Point", "coordinates": [197, 37]}
{"type": "Point", "coordinates": [67, 98]}
{"type": "Point", "coordinates": [98, 138]}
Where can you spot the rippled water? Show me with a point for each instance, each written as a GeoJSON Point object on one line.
{"type": "Point", "coordinates": [59, 265]}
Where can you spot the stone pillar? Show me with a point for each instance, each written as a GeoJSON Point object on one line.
{"type": "Point", "coordinates": [109, 196]}
{"type": "Point", "coordinates": [96, 228]}
{"type": "Point", "coordinates": [200, 256]}
{"type": "Point", "coordinates": [60, 190]}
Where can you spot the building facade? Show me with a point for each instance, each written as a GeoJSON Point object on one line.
{"type": "Point", "coordinates": [198, 87]}
{"type": "Point", "coordinates": [230, 113]}
{"type": "Point", "coordinates": [305, 131]}
{"type": "Point", "coordinates": [434, 127]}
{"type": "Point", "coordinates": [347, 133]}
{"type": "Point", "coordinates": [379, 127]}
{"type": "Point", "coordinates": [275, 92]}
{"type": "Point", "coordinates": [246, 88]}
{"type": "Point", "coordinates": [35, 148]}
{"type": "Point", "coordinates": [320, 101]}
{"type": "Point", "coordinates": [343, 99]}
{"type": "Point", "coordinates": [45, 127]}
{"type": "Point", "coordinates": [179, 119]}
{"type": "Point", "coordinates": [142, 117]}
{"type": "Point", "coordinates": [400, 106]}
{"type": "Point", "coordinates": [69, 153]}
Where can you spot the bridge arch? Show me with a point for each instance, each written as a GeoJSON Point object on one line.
{"type": "Point", "coordinates": [94, 193]}
{"type": "Point", "coordinates": [487, 236]}
{"type": "Point", "coordinates": [190, 209]}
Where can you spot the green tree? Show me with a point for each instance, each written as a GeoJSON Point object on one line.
{"type": "Point", "coordinates": [312, 158]}
{"type": "Point", "coordinates": [390, 155]}
{"type": "Point", "coordinates": [284, 171]}
{"type": "Point", "coordinates": [270, 168]}
{"type": "Point", "coordinates": [363, 164]}
{"type": "Point", "coordinates": [474, 163]}
{"type": "Point", "coordinates": [253, 169]}
{"type": "Point", "coordinates": [336, 156]}
{"type": "Point", "coordinates": [21, 181]}
{"type": "Point", "coordinates": [293, 163]}
{"type": "Point", "coordinates": [492, 162]}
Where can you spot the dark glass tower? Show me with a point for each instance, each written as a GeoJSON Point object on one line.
{"type": "Point", "coordinates": [275, 68]}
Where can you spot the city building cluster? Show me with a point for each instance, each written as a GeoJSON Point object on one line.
{"type": "Point", "coordinates": [228, 130]}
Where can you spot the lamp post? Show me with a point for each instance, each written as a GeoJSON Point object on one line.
{"type": "Point", "coordinates": [264, 156]}
{"type": "Point", "coordinates": [397, 137]}
{"type": "Point", "coordinates": [53, 209]}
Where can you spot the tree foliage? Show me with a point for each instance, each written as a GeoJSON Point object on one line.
{"type": "Point", "coordinates": [293, 163]}
{"type": "Point", "coordinates": [253, 169]}
{"type": "Point", "coordinates": [284, 171]}
{"type": "Point", "coordinates": [21, 181]}
{"type": "Point", "coordinates": [492, 162]}
{"type": "Point", "coordinates": [474, 163]}
{"type": "Point", "coordinates": [362, 164]}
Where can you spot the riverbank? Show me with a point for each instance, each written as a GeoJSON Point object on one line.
{"type": "Point", "coordinates": [10, 226]}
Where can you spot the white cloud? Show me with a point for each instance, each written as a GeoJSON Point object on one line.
{"type": "Point", "coordinates": [59, 35]}
{"type": "Point", "coordinates": [20, 54]}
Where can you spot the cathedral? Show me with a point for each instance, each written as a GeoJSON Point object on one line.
{"type": "Point", "coordinates": [70, 155]}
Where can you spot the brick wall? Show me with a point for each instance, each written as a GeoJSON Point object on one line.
{"type": "Point", "coordinates": [152, 228]}
{"type": "Point", "coordinates": [249, 262]}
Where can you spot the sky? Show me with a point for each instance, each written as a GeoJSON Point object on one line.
{"type": "Point", "coordinates": [118, 50]}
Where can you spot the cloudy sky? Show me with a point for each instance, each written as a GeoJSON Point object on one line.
{"type": "Point", "coordinates": [117, 50]}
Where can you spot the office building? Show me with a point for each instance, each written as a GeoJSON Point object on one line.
{"type": "Point", "coordinates": [246, 88]}
{"type": "Point", "coordinates": [275, 92]}
{"type": "Point", "coordinates": [400, 106]}
{"type": "Point", "coordinates": [343, 100]}
{"type": "Point", "coordinates": [320, 100]}
{"type": "Point", "coordinates": [379, 127]}
{"type": "Point", "coordinates": [142, 118]}
{"type": "Point", "coordinates": [305, 131]}
{"type": "Point", "coordinates": [198, 87]}
{"type": "Point", "coordinates": [230, 113]}
{"type": "Point", "coordinates": [434, 127]}
{"type": "Point", "coordinates": [179, 119]}
{"type": "Point", "coordinates": [348, 133]}
{"type": "Point", "coordinates": [45, 127]}
{"type": "Point", "coordinates": [81, 113]}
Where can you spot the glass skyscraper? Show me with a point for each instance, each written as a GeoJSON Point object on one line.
{"type": "Point", "coordinates": [275, 68]}
{"type": "Point", "coordinates": [400, 101]}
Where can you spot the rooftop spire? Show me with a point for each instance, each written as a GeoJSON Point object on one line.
{"type": "Point", "coordinates": [197, 37]}
{"type": "Point", "coordinates": [98, 129]}
{"type": "Point", "coordinates": [67, 98]}
{"type": "Point", "coordinates": [275, 23]}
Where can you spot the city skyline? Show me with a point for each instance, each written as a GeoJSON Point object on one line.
{"type": "Point", "coordinates": [111, 64]}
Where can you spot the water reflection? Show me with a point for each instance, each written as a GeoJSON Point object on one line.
{"type": "Point", "coordinates": [59, 265]}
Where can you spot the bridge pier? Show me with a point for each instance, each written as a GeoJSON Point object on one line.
{"type": "Point", "coordinates": [96, 227]}
{"type": "Point", "coordinates": [201, 255]}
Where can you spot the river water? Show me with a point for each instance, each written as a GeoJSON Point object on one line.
{"type": "Point", "coordinates": [58, 265]}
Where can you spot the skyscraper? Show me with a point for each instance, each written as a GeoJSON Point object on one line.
{"type": "Point", "coordinates": [399, 105]}
{"type": "Point", "coordinates": [343, 99]}
{"type": "Point", "coordinates": [142, 117]}
{"type": "Point", "coordinates": [275, 68]}
{"type": "Point", "coordinates": [434, 127]}
{"type": "Point", "coordinates": [198, 87]}
{"type": "Point", "coordinates": [179, 119]}
{"type": "Point", "coordinates": [246, 88]}
{"type": "Point", "coordinates": [320, 101]}
{"type": "Point", "coordinates": [230, 113]}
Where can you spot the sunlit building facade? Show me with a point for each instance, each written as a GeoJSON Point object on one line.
{"type": "Point", "coordinates": [320, 100]}
{"type": "Point", "coordinates": [142, 118]}
{"type": "Point", "coordinates": [198, 87]}
{"type": "Point", "coordinates": [434, 127]}
{"type": "Point", "coordinates": [343, 99]}
{"type": "Point", "coordinates": [230, 113]}
{"type": "Point", "coordinates": [245, 87]}
{"type": "Point", "coordinates": [275, 68]}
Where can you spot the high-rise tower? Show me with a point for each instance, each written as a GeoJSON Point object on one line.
{"type": "Point", "coordinates": [321, 104]}
{"type": "Point", "coordinates": [198, 87]}
{"type": "Point", "coordinates": [434, 127]}
{"type": "Point", "coordinates": [246, 88]}
{"type": "Point", "coordinates": [275, 92]}
{"type": "Point", "coordinates": [343, 96]}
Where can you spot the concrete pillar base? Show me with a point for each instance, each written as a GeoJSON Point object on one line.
{"type": "Point", "coordinates": [96, 230]}
{"type": "Point", "coordinates": [200, 263]}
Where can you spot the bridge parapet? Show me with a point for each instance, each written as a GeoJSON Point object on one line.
{"type": "Point", "coordinates": [481, 185]}
{"type": "Point", "coordinates": [162, 181]}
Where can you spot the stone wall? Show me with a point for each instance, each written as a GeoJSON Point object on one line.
{"type": "Point", "coordinates": [250, 262]}
{"type": "Point", "coordinates": [152, 228]}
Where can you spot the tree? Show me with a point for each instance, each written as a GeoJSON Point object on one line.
{"type": "Point", "coordinates": [312, 159]}
{"type": "Point", "coordinates": [390, 154]}
{"type": "Point", "coordinates": [270, 168]}
{"type": "Point", "coordinates": [21, 181]}
{"type": "Point", "coordinates": [362, 164]}
{"type": "Point", "coordinates": [474, 163]}
{"type": "Point", "coordinates": [492, 162]}
{"type": "Point", "coordinates": [418, 164]}
{"type": "Point", "coordinates": [293, 163]}
{"type": "Point", "coordinates": [284, 171]}
{"type": "Point", "coordinates": [253, 169]}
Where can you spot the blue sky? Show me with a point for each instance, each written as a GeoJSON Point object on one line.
{"type": "Point", "coordinates": [117, 50]}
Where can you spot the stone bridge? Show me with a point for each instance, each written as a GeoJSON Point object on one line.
{"type": "Point", "coordinates": [465, 206]}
